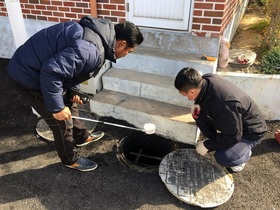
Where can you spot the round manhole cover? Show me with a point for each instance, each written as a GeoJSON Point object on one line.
{"type": "Point", "coordinates": [45, 132]}
{"type": "Point", "coordinates": [144, 152]}
{"type": "Point", "coordinates": [195, 179]}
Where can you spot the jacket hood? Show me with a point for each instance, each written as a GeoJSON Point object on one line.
{"type": "Point", "coordinates": [105, 29]}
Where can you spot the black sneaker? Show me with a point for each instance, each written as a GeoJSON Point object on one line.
{"type": "Point", "coordinates": [94, 136]}
{"type": "Point", "coordinates": [83, 164]}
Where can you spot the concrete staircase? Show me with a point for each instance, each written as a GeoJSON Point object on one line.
{"type": "Point", "coordinates": [140, 87]}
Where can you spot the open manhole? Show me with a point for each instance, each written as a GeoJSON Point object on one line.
{"type": "Point", "coordinates": [144, 152]}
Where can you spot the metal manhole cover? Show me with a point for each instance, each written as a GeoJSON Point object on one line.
{"type": "Point", "coordinates": [45, 132]}
{"type": "Point", "coordinates": [195, 179]}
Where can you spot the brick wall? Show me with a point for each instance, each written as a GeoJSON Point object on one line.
{"type": "Point", "coordinates": [210, 17]}
{"type": "Point", "coordinates": [64, 10]}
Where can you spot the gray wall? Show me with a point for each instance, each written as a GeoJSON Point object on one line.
{"type": "Point", "coordinates": [7, 44]}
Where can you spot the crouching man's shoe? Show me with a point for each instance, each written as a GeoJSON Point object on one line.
{"type": "Point", "coordinates": [83, 164]}
{"type": "Point", "coordinates": [235, 169]}
{"type": "Point", "coordinates": [94, 136]}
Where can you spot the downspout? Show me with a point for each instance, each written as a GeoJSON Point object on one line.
{"type": "Point", "coordinates": [16, 21]}
{"type": "Point", "coordinates": [17, 26]}
{"type": "Point", "coordinates": [93, 8]}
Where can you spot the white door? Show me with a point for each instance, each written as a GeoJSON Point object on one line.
{"type": "Point", "coordinates": [168, 14]}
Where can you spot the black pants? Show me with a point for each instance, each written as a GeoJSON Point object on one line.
{"type": "Point", "coordinates": [63, 138]}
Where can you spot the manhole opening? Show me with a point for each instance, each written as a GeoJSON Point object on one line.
{"type": "Point", "coordinates": [144, 152]}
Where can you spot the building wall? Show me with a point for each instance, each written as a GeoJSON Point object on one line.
{"type": "Point", "coordinates": [210, 17]}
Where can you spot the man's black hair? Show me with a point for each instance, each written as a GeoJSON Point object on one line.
{"type": "Point", "coordinates": [187, 78]}
{"type": "Point", "coordinates": [129, 32]}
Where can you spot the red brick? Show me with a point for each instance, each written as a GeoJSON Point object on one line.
{"type": "Point", "coordinates": [113, 19]}
{"type": "Point", "coordinates": [211, 28]}
{"type": "Point", "coordinates": [196, 27]}
{"type": "Point", "coordinates": [117, 1]}
{"type": "Point", "coordinates": [80, 16]}
{"type": "Point", "coordinates": [102, 1]}
{"type": "Point", "coordinates": [58, 14]}
{"type": "Point", "coordinates": [42, 18]}
{"type": "Point", "coordinates": [201, 20]}
{"type": "Point", "coordinates": [103, 12]}
{"type": "Point", "coordinates": [116, 13]}
{"type": "Point", "coordinates": [99, 6]}
{"type": "Point", "coordinates": [200, 34]}
{"type": "Point", "coordinates": [54, 19]}
{"type": "Point", "coordinates": [3, 14]}
{"type": "Point", "coordinates": [213, 14]}
{"type": "Point", "coordinates": [70, 15]}
{"type": "Point", "coordinates": [197, 13]}
{"type": "Point", "coordinates": [203, 6]}
{"type": "Point", "coordinates": [40, 7]}
{"type": "Point", "coordinates": [109, 6]}
{"type": "Point", "coordinates": [35, 12]}
{"type": "Point", "coordinates": [64, 9]}
{"type": "Point", "coordinates": [26, 11]}
{"type": "Point", "coordinates": [48, 13]}
{"type": "Point", "coordinates": [68, 4]}
{"type": "Point", "coordinates": [30, 6]}
{"type": "Point", "coordinates": [52, 8]}
{"type": "Point", "coordinates": [215, 1]}
{"type": "Point", "coordinates": [31, 17]}
{"type": "Point", "coordinates": [64, 20]}
{"type": "Point", "coordinates": [58, 3]}
{"type": "Point", "coordinates": [83, 5]}
{"type": "Point", "coordinates": [121, 7]}
{"type": "Point", "coordinates": [87, 11]}
{"type": "Point", "coordinates": [216, 21]}
{"type": "Point", "coordinates": [34, 1]}
{"type": "Point", "coordinates": [76, 10]}
{"type": "Point", "coordinates": [47, 2]}
{"type": "Point", "coordinates": [219, 7]}
{"type": "Point", "coordinates": [23, 1]}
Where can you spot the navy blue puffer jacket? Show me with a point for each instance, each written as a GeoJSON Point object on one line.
{"type": "Point", "coordinates": [52, 60]}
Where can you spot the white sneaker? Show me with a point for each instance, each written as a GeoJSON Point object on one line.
{"type": "Point", "coordinates": [238, 168]}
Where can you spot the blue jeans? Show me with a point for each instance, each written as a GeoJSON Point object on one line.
{"type": "Point", "coordinates": [237, 154]}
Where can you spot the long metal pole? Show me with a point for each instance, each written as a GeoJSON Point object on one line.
{"type": "Point", "coordinates": [107, 123]}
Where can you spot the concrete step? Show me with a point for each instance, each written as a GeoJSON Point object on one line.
{"type": "Point", "coordinates": [144, 85]}
{"type": "Point", "coordinates": [180, 41]}
{"type": "Point", "coordinates": [173, 122]}
{"type": "Point", "coordinates": [163, 62]}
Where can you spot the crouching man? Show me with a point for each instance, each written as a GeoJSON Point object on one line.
{"type": "Point", "coordinates": [228, 117]}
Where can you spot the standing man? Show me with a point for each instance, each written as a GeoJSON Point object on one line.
{"type": "Point", "coordinates": [225, 114]}
{"type": "Point", "coordinates": [60, 57]}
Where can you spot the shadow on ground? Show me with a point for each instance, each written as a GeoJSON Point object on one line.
{"type": "Point", "coordinates": [32, 176]}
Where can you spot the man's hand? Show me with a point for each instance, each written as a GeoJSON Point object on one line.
{"type": "Point", "coordinates": [76, 99]}
{"type": "Point", "coordinates": [195, 110]}
{"type": "Point", "coordinates": [200, 148]}
{"type": "Point", "coordinates": [63, 115]}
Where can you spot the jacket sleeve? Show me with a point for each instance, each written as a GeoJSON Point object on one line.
{"type": "Point", "coordinates": [78, 58]}
{"type": "Point", "coordinates": [228, 122]}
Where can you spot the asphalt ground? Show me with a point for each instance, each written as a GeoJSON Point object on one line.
{"type": "Point", "coordinates": [32, 177]}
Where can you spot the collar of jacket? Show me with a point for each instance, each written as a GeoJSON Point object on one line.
{"type": "Point", "coordinates": [201, 94]}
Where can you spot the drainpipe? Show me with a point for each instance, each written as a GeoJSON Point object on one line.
{"type": "Point", "coordinates": [16, 21]}
{"type": "Point", "coordinates": [93, 8]}
{"type": "Point", "coordinates": [17, 26]}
